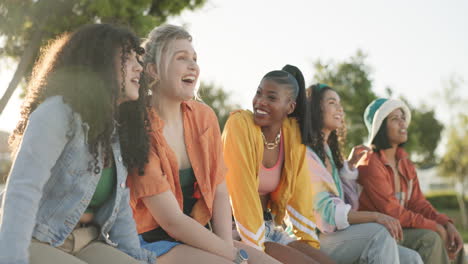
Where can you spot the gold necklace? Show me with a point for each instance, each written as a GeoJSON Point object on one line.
{"type": "Point", "coordinates": [272, 145]}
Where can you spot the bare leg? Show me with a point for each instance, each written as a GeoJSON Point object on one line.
{"type": "Point", "coordinates": [256, 256]}
{"type": "Point", "coordinates": [311, 252]}
{"type": "Point", "coordinates": [100, 252]}
{"type": "Point", "coordinates": [287, 255]}
{"type": "Point", "coordinates": [188, 254]}
{"type": "Point", "coordinates": [42, 253]}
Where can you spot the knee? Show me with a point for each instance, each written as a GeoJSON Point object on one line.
{"type": "Point", "coordinates": [381, 232]}
{"type": "Point", "coordinates": [431, 239]}
{"type": "Point", "coordinates": [410, 256]}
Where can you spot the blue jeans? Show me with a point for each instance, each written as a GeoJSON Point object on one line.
{"type": "Point", "coordinates": [159, 247]}
{"type": "Point", "coordinates": [366, 243]}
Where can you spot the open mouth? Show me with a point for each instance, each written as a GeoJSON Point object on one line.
{"type": "Point", "coordinates": [190, 79]}
{"type": "Point", "coordinates": [135, 81]}
{"type": "Point", "coordinates": [261, 112]}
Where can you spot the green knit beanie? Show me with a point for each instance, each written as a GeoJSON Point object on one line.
{"type": "Point", "coordinates": [378, 110]}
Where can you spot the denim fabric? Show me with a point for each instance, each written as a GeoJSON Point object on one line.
{"type": "Point", "coordinates": [51, 184]}
{"type": "Point", "coordinates": [277, 234]}
{"type": "Point", "coordinates": [159, 247]}
{"type": "Point", "coordinates": [366, 243]}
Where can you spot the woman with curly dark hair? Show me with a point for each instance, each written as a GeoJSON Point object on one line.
{"type": "Point", "coordinates": [347, 235]}
{"type": "Point", "coordinates": [83, 124]}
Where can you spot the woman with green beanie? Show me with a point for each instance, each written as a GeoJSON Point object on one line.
{"type": "Point", "coordinates": [346, 234]}
{"type": "Point", "coordinates": [391, 186]}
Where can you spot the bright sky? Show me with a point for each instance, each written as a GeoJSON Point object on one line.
{"type": "Point", "coordinates": [412, 45]}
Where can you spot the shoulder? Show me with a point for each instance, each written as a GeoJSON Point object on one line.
{"type": "Point", "coordinates": [292, 126]}
{"type": "Point", "coordinates": [371, 166]}
{"type": "Point", "coordinates": [199, 107]}
{"type": "Point", "coordinates": [201, 112]}
{"type": "Point", "coordinates": [52, 109]}
{"type": "Point", "coordinates": [311, 154]}
{"type": "Point", "coordinates": [240, 118]}
{"type": "Point", "coordinates": [371, 158]}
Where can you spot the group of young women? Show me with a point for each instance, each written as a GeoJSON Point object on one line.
{"type": "Point", "coordinates": [115, 162]}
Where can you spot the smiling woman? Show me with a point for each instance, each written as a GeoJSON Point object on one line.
{"type": "Point", "coordinates": [181, 204]}
{"type": "Point", "coordinates": [391, 185]}
{"type": "Point", "coordinates": [66, 188]}
{"type": "Point", "coordinates": [268, 177]}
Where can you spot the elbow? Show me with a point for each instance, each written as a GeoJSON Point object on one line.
{"type": "Point", "coordinates": [173, 225]}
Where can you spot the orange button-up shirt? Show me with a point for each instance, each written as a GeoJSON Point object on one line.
{"type": "Point", "coordinates": [204, 149]}
{"type": "Point", "coordinates": [377, 178]}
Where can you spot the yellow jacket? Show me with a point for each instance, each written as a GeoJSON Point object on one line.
{"type": "Point", "coordinates": [243, 153]}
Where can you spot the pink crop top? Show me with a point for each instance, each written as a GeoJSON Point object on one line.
{"type": "Point", "coordinates": [270, 177]}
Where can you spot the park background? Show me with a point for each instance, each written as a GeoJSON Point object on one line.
{"type": "Point", "coordinates": [416, 51]}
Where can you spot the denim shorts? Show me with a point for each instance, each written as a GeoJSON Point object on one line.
{"type": "Point", "coordinates": [159, 247]}
{"type": "Point", "coordinates": [277, 234]}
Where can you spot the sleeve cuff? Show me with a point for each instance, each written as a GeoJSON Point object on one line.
{"type": "Point", "coordinates": [347, 173]}
{"type": "Point", "coordinates": [443, 219]}
{"type": "Point", "coordinates": [341, 216]}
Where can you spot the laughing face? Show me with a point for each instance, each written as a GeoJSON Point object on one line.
{"type": "Point", "coordinates": [272, 103]}
{"type": "Point", "coordinates": [332, 111]}
{"type": "Point", "coordinates": [180, 71]}
{"type": "Point", "coordinates": [128, 75]}
{"type": "Point", "coordinates": [396, 127]}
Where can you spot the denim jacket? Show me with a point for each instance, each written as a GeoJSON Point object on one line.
{"type": "Point", "coordinates": [51, 184]}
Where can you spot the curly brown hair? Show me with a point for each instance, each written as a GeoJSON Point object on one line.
{"type": "Point", "coordinates": [80, 67]}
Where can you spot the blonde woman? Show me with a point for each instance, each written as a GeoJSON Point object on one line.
{"type": "Point", "coordinates": [181, 203]}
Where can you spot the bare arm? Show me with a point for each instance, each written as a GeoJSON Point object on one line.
{"type": "Point", "coordinates": [360, 217]}
{"type": "Point", "coordinates": [222, 215]}
{"type": "Point", "coordinates": [166, 212]}
{"type": "Point", "coordinates": [392, 224]}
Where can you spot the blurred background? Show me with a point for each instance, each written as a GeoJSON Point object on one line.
{"type": "Point", "coordinates": [415, 51]}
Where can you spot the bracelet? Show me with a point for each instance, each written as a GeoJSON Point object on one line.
{"type": "Point", "coordinates": [241, 256]}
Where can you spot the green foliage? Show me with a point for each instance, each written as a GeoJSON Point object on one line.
{"type": "Point", "coordinates": [351, 80]}
{"type": "Point", "coordinates": [444, 201]}
{"type": "Point", "coordinates": [218, 100]}
{"type": "Point", "coordinates": [19, 19]}
{"type": "Point", "coordinates": [424, 135]}
{"type": "Point", "coordinates": [455, 160]}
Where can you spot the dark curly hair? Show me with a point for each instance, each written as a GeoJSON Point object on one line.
{"type": "Point", "coordinates": [81, 67]}
{"type": "Point", "coordinates": [315, 135]}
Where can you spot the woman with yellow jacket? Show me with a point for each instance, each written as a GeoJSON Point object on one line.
{"type": "Point", "coordinates": [268, 178]}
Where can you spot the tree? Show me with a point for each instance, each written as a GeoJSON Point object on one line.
{"type": "Point", "coordinates": [218, 100]}
{"type": "Point", "coordinates": [454, 163]}
{"type": "Point", "coordinates": [25, 25]}
{"type": "Point", "coordinates": [424, 134]}
{"type": "Point", "coordinates": [351, 79]}
{"type": "Point", "coordinates": [352, 82]}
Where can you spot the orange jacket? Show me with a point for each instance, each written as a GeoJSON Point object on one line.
{"type": "Point", "coordinates": [377, 179]}
{"type": "Point", "coordinates": [203, 142]}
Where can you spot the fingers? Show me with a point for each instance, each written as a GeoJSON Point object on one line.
{"type": "Point", "coordinates": [361, 148]}
{"type": "Point", "coordinates": [450, 243]}
{"type": "Point", "coordinates": [458, 242]}
{"type": "Point", "coordinates": [392, 229]}
{"type": "Point", "coordinates": [398, 230]}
